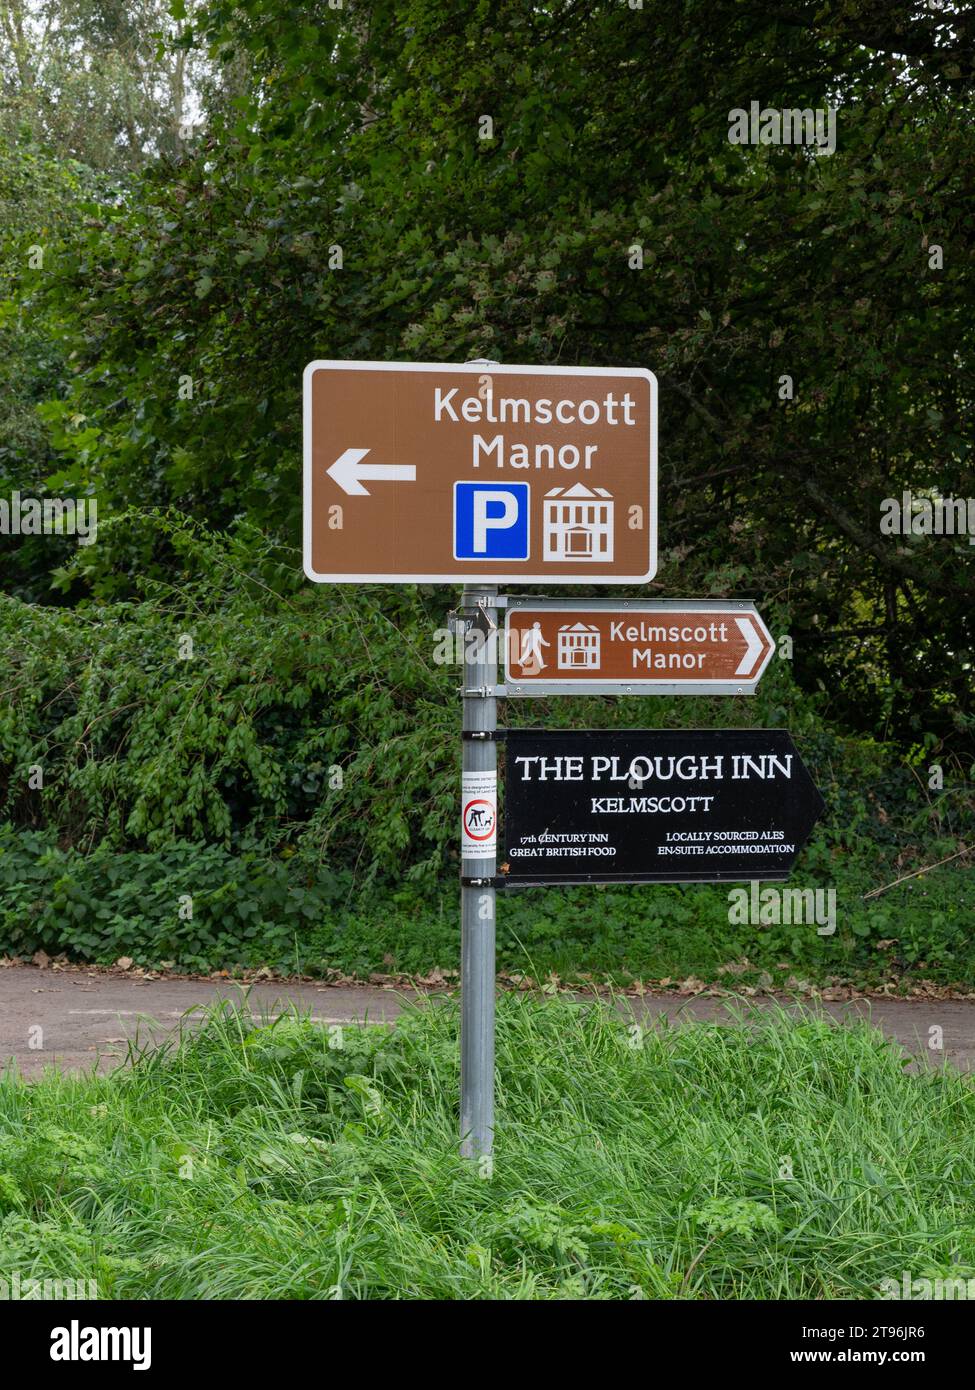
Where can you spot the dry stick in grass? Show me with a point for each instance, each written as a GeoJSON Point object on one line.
{"type": "Point", "coordinates": [697, 1260]}
{"type": "Point", "coordinates": [874, 892]}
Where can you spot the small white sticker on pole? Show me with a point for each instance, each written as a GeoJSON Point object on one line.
{"type": "Point", "coordinates": [479, 815]}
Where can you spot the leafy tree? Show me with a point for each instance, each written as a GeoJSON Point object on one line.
{"type": "Point", "coordinates": [607, 143]}
{"type": "Point", "coordinates": [101, 81]}
{"type": "Point", "coordinates": [40, 200]}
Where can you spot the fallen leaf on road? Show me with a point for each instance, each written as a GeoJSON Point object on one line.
{"type": "Point", "coordinates": [735, 967]}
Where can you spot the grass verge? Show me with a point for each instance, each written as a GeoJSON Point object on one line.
{"type": "Point", "coordinates": [774, 1160]}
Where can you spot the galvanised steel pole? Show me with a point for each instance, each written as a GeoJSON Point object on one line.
{"type": "Point", "coordinates": [477, 900]}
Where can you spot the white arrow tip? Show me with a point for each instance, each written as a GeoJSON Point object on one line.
{"type": "Point", "coordinates": [343, 472]}
{"type": "Point", "coordinates": [755, 644]}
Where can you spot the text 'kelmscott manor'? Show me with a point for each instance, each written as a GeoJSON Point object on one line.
{"type": "Point", "coordinates": [613, 409]}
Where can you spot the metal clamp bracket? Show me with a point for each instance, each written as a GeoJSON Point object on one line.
{"type": "Point", "coordinates": [484, 735]}
{"type": "Point", "coordinates": [472, 610]}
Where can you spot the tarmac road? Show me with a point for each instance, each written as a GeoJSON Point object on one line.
{"type": "Point", "coordinates": [86, 1018]}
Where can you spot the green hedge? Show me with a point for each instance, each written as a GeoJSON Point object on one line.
{"type": "Point", "coordinates": [306, 755]}
{"type": "Point", "coordinates": [252, 909]}
{"type": "Point", "coordinates": [299, 718]}
{"type": "Point", "coordinates": [318, 718]}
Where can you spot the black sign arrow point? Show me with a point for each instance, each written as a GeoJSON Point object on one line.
{"type": "Point", "coordinates": [655, 805]}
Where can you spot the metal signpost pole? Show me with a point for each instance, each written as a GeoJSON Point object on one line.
{"type": "Point", "coordinates": [477, 895]}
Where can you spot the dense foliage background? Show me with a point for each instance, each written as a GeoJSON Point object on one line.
{"type": "Point", "coordinates": [190, 187]}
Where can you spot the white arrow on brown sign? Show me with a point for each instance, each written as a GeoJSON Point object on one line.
{"type": "Point", "coordinates": [350, 472]}
{"type": "Point", "coordinates": [631, 646]}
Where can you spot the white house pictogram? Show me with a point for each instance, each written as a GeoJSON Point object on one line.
{"type": "Point", "coordinates": [578, 524]}
{"type": "Point", "coordinates": [578, 646]}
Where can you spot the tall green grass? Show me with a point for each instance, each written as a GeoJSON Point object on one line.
{"type": "Point", "coordinates": [770, 1160]}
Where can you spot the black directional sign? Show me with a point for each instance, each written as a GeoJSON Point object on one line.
{"type": "Point", "coordinates": [654, 805]}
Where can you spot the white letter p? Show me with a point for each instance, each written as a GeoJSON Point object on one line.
{"type": "Point", "coordinates": [483, 522]}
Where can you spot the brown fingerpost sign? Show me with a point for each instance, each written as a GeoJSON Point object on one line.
{"type": "Point", "coordinates": [628, 646]}
{"type": "Point", "coordinates": [426, 472]}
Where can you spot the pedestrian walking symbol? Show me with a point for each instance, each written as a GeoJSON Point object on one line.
{"type": "Point", "coordinates": [530, 658]}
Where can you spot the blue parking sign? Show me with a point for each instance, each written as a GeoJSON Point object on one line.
{"type": "Point", "coordinates": [491, 521]}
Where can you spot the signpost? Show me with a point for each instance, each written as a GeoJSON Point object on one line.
{"type": "Point", "coordinates": [654, 805]}
{"type": "Point", "coordinates": [438, 473]}
{"type": "Point", "coordinates": [634, 647]}
{"type": "Point", "coordinates": [424, 472]}
{"type": "Point", "coordinates": [478, 828]}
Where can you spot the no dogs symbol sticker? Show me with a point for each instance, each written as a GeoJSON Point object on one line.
{"type": "Point", "coordinates": [479, 815]}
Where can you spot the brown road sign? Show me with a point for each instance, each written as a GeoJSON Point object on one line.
{"type": "Point", "coordinates": [621, 646]}
{"type": "Point", "coordinates": [423, 472]}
